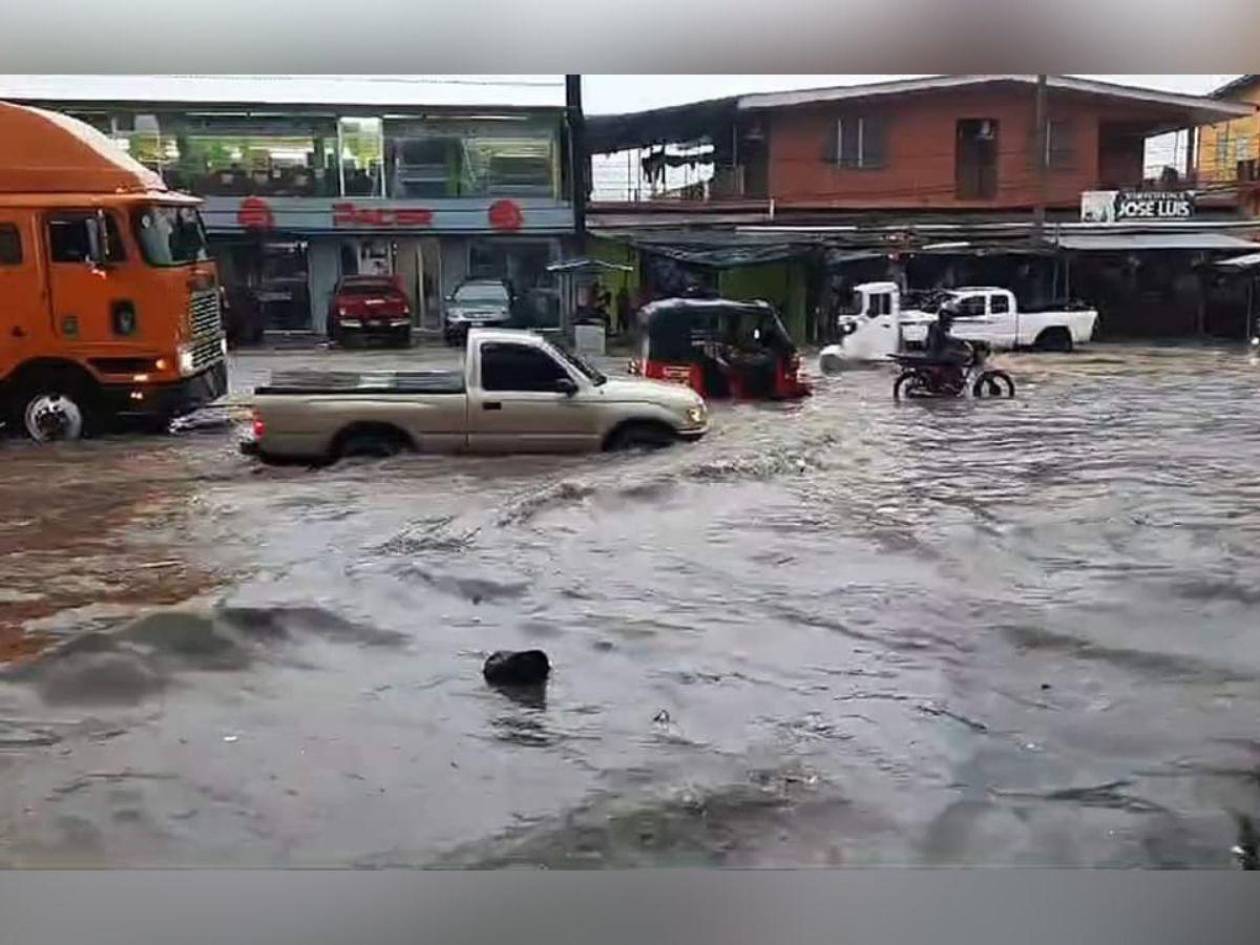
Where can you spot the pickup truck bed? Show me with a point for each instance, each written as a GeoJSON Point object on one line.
{"type": "Point", "coordinates": [314, 383]}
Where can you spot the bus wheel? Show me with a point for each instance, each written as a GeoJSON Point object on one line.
{"type": "Point", "coordinates": [53, 415]}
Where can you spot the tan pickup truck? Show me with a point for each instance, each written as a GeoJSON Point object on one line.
{"type": "Point", "coordinates": [516, 393]}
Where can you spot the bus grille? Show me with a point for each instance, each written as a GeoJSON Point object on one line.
{"type": "Point", "coordinates": [207, 351]}
{"type": "Point", "coordinates": [203, 315]}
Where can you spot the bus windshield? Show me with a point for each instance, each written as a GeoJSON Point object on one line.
{"type": "Point", "coordinates": [170, 236]}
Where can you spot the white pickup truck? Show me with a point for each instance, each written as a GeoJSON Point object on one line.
{"type": "Point", "coordinates": [878, 326]}
{"type": "Point", "coordinates": [516, 393]}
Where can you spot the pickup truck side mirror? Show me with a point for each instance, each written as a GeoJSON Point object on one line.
{"type": "Point", "coordinates": [565, 385]}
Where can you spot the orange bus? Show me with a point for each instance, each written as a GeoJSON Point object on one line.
{"type": "Point", "coordinates": [109, 302]}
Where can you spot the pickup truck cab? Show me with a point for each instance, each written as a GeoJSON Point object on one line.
{"type": "Point", "coordinates": [993, 315]}
{"type": "Point", "coordinates": [516, 393]}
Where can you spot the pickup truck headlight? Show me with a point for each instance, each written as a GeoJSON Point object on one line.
{"type": "Point", "coordinates": [695, 415]}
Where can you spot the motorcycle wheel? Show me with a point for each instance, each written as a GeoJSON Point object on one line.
{"type": "Point", "coordinates": [911, 383]}
{"type": "Point", "coordinates": [993, 384]}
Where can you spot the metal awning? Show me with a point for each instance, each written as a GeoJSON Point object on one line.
{"type": "Point", "coordinates": [587, 265]}
{"type": "Point", "coordinates": [1250, 261]}
{"type": "Point", "coordinates": [1131, 242]}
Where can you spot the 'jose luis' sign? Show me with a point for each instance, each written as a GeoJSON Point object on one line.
{"type": "Point", "coordinates": [1154, 205]}
{"type": "Point", "coordinates": [1115, 206]}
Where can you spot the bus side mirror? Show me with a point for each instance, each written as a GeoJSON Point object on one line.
{"type": "Point", "coordinates": [98, 240]}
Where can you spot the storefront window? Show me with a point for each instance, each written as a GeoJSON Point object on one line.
{"type": "Point", "coordinates": [234, 155]}
{"type": "Point", "coordinates": [464, 157]}
{"type": "Point", "coordinates": [362, 154]}
{"type": "Point", "coordinates": [522, 264]}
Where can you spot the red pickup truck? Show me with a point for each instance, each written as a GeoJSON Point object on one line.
{"type": "Point", "coordinates": [369, 307]}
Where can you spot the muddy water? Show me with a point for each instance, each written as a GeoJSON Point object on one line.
{"type": "Point", "coordinates": [840, 632]}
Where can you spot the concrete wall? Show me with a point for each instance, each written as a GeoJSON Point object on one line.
{"type": "Point", "coordinates": [921, 129]}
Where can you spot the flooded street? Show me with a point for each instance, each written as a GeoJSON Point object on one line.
{"type": "Point", "coordinates": [841, 632]}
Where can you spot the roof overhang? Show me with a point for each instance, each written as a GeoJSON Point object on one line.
{"type": "Point", "coordinates": [1199, 109]}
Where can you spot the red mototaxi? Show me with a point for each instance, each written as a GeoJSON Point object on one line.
{"type": "Point", "coordinates": [720, 348]}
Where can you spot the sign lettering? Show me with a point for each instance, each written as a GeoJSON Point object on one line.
{"type": "Point", "coordinates": [352, 215]}
{"type": "Point", "coordinates": [1116, 206]}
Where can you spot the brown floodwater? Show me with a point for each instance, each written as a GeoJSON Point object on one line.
{"type": "Point", "coordinates": [840, 632]}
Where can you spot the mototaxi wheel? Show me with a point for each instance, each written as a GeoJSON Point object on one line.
{"type": "Point", "coordinates": [993, 383]}
{"type": "Point", "coordinates": [910, 383]}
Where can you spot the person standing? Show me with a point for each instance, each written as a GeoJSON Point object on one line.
{"type": "Point", "coordinates": [623, 309]}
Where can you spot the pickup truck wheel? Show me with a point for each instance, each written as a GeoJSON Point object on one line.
{"type": "Point", "coordinates": [645, 436]}
{"type": "Point", "coordinates": [1054, 339]}
{"type": "Point", "coordinates": [371, 442]}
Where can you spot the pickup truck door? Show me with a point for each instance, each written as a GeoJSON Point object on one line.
{"type": "Point", "coordinates": [1003, 321]}
{"type": "Point", "coordinates": [514, 404]}
{"type": "Point", "coordinates": [973, 321]}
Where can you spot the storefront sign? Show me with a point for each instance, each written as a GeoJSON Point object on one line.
{"type": "Point", "coordinates": [1123, 206]}
{"type": "Point", "coordinates": [356, 216]}
{"type": "Point", "coordinates": [254, 213]}
{"type": "Point", "coordinates": [313, 215]}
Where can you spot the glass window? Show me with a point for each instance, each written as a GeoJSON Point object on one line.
{"type": "Point", "coordinates": [68, 238]}
{"type": "Point", "coordinates": [584, 367]}
{"type": "Point", "coordinates": [454, 157]}
{"type": "Point", "coordinates": [881, 304]}
{"type": "Point", "coordinates": [482, 293]}
{"type": "Point", "coordinates": [518, 368]}
{"type": "Point", "coordinates": [10, 245]}
{"type": "Point", "coordinates": [999, 304]}
{"type": "Point", "coordinates": [362, 156]}
{"type": "Point", "coordinates": [170, 236]}
{"type": "Point", "coordinates": [971, 306]}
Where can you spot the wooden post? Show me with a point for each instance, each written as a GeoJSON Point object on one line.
{"type": "Point", "coordinates": [578, 157]}
{"type": "Point", "coordinates": [1039, 212]}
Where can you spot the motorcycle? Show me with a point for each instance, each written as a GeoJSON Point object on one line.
{"type": "Point", "coordinates": [925, 376]}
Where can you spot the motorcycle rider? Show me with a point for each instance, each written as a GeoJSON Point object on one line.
{"type": "Point", "coordinates": [951, 353]}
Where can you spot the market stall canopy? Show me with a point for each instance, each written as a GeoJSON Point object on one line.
{"type": "Point", "coordinates": [47, 152]}
{"type": "Point", "coordinates": [1131, 242]}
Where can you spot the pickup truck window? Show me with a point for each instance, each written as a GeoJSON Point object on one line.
{"type": "Point", "coordinates": [999, 304]}
{"type": "Point", "coordinates": [517, 368]}
{"type": "Point", "coordinates": [971, 307]}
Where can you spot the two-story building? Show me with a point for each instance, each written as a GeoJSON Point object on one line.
{"type": "Point", "coordinates": [307, 179]}
{"type": "Point", "coordinates": [1229, 151]}
{"type": "Point", "coordinates": [934, 181]}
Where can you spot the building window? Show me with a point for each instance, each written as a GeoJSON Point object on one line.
{"type": "Point", "coordinates": [454, 157]}
{"type": "Point", "coordinates": [859, 142]}
{"type": "Point", "coordinates": [10, 245]}
{"type": "Point", "coordinates": [1060, 145]}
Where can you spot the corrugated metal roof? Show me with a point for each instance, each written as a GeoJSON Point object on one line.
{"type": "Point", "coordinates": [482, 91]}
{"type": "Point", "coordinates": [1250, 261]}
{"type": "Point", "coordinates": [1125, 242]}
{"type": "Point", "coordinates": [1057, 82]}
{"type": "Point", "coordinates": [1229, 88]}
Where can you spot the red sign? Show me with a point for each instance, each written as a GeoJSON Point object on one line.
{"type": "Point", "coordinates": [254, 213]}
{"type": "Point", "coordinates": [349, 214]}
{"type": "Point", "coordinates": [506, 215]}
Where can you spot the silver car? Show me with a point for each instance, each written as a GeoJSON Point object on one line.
{"type": "Point", "coordinates": [478, 303]}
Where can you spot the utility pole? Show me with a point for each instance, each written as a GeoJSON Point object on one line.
{"type": "Point", "coordinates": [1039, 211]}
{"type": "Point", "coordinates": [579, 160]}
